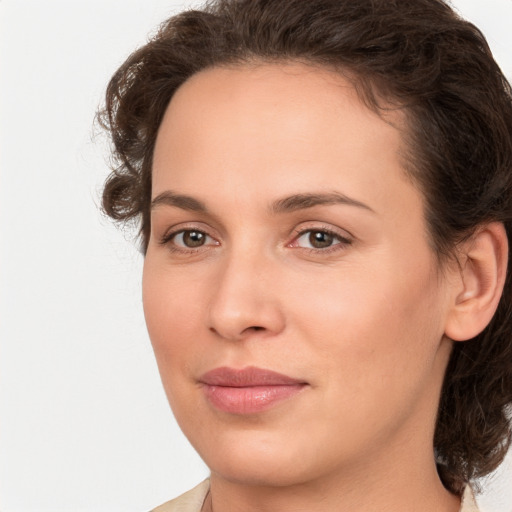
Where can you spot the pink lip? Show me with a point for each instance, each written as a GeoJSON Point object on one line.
{"type": "Point", "coordinates": [249, 390]}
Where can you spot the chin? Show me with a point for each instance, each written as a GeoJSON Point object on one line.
{"type": "Point", "coordinates": [257, 458]}
{"type": "Point", "coordinates": [259, 472]}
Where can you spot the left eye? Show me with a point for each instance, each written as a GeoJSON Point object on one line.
{"type": "Point", "coordinates": [318, 239]}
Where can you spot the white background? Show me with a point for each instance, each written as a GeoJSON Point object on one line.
{"type": "Point", "coordinates": [84, 422]}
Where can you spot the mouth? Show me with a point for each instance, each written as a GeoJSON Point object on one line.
{"type": "Point", "coordinates": [249, 390]}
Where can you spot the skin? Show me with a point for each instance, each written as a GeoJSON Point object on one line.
{"type": "Point", "coordinates": [362, 321]}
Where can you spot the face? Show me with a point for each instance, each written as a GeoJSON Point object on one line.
{"type": "Point", "coordinates": [291, 296]}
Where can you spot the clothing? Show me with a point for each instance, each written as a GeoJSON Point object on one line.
{"type": "Point", "coordinates": [192, 501]}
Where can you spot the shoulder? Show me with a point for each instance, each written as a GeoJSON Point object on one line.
{"type": "Point", "coordinates": [191, 501]}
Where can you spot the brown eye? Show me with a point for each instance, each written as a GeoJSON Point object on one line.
{"type": "Point", "coordinates": [188, 241]}
{"type": "Point", "coordinates": [320, 239]}
{"type": "Point", "coordinates": [191, 238]}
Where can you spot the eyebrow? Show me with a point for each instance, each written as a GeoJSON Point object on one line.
{"type": "Point", "coordinates": [182, 201]}
{"type": "Point", "coordinates": [304, 201]}
{"type": "Point", "coordinates": [287, 204]}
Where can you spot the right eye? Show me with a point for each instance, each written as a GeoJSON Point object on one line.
{"type": "Point", "coordinates": [188, 239]}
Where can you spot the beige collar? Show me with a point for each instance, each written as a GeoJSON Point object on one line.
{"type": "Point", "coordinates": [468, 501]}
{"type": "Point", "coordinates": [193, 500]}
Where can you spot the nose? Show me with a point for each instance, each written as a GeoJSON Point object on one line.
{"type": "Point", "coordinates": [245, 301]}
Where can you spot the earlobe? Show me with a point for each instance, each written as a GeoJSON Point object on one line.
{"type": "Point", "coordinates": [482, 273]}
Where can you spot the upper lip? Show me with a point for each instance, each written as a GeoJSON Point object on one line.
{"type": "Point", "coordinates": [246, 377]}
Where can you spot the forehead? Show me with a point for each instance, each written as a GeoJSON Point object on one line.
{"type": "Point", "coordinates": [268, 127]}
{"type": "Point", "coordinates": [295, 94]}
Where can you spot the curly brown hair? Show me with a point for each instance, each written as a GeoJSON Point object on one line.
{"type": "Point", "coordinates": [416, 54]}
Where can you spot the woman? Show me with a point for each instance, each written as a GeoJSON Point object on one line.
{"type": "Point", "coordinates": [324, 191]}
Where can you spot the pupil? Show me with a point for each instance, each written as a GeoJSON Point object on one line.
{"type": "Point", "coordinates": [320, 239]}
{"type": "Point", "coordinates": [193, 238]}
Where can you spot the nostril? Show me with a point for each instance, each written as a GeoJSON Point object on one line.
{"type": "Point", "coordinates": [252, 328]}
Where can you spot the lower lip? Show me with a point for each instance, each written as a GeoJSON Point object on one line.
{"type": "Point", "coordinates": [249, 400]}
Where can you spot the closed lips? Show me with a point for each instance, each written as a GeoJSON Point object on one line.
{"type": "Point", "coordinates": [247, 377]}
{"type": "Point", "coordinates": [248, 391]}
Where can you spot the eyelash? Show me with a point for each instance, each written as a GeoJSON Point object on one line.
{"type": "Point", "coordinates": [343, 241]}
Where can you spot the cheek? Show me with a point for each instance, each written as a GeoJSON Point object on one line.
{"type": "Point", "coordinates": [171, 301]}
{"type": "Point", "coordinates": [171, 309]}
{"type": "Point", "coordinates": [375, 339]}
{"type": "Point", "coordinates": [374, 327]}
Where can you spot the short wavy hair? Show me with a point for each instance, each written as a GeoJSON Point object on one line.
{"type": "Point", "coordinates": [416, 54]}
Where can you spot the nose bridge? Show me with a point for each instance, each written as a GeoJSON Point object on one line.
{"type": "Point", "coordinates": [244, 300]}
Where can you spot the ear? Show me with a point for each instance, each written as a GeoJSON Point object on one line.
{"type": "Point", "coordinates": [479, 284]}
